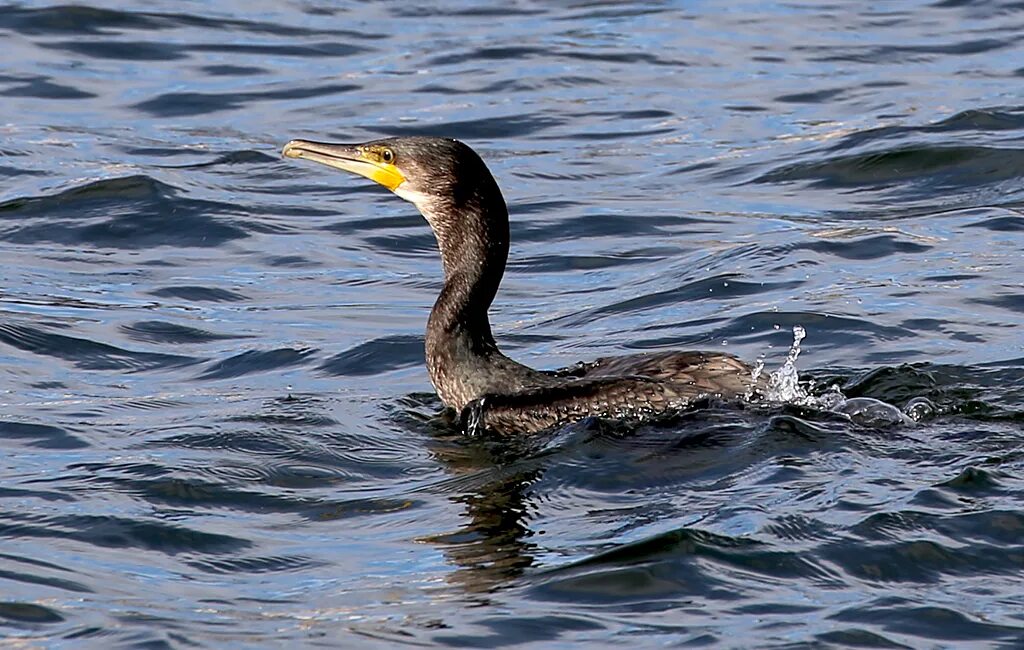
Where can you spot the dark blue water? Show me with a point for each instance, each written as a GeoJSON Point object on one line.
{"type": "Point", "coordinates": [215, 425]}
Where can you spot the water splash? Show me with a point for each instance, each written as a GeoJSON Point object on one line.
{"type": "Point", "coordinates": [784, 387]}
{"type": "Point", "coordinates": [784, 383]}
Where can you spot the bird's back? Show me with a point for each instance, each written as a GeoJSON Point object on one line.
{"type": "Point", "coordinates": [634, 386]}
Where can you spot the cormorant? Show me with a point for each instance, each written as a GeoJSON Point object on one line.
{"type": "Point", "coordinates": [453, 189]}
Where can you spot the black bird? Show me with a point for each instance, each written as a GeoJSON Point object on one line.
{"type": "Point", "coordinates": [453, 189]}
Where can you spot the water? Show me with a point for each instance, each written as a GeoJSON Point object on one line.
{"type": "Point", "coordinates": [215, 425]}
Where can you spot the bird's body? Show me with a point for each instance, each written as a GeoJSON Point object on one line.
{"type": "Point", "coordinates": [455, 192]}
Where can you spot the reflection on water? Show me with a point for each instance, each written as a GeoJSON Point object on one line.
{"type": "Point", "coordinates": [216, 427]}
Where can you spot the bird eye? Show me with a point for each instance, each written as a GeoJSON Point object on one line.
{"type": "Point", "coordinates": [387, 155]}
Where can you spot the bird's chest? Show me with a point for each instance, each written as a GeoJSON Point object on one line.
{"type": "Point", "coordinates": [458, 373]}
{"type": "Point", "coordinates": [462, 371]}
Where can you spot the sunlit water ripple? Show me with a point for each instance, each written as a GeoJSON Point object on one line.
{"type": "Point", "coordinates": [216, 427]}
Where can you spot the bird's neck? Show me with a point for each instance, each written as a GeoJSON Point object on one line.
{"type": "Point", "coordinates": [472, 234]}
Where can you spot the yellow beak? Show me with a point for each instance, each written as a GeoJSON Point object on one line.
{"type": "Point", "coordinates": [349, 157]}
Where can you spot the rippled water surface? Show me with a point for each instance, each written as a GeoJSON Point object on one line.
{"type": "Point", "coordinates": [215, 425]}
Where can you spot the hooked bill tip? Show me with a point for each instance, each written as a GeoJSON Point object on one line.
{"type": "Point", "coordinates": [293, 149]}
